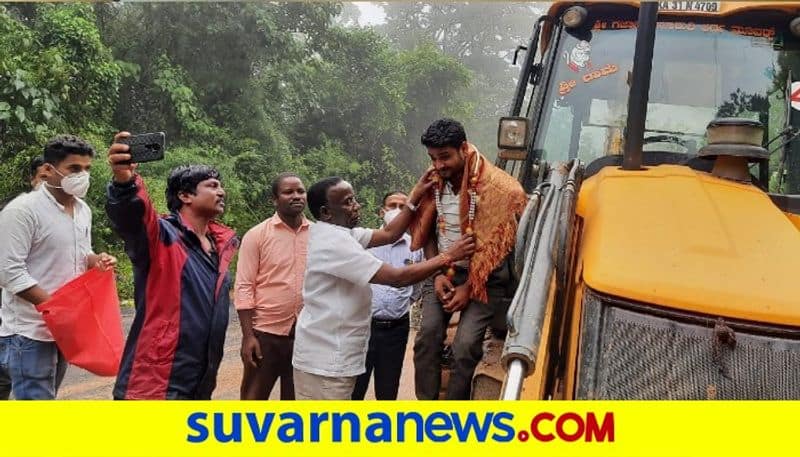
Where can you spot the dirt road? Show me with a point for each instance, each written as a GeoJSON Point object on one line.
{"type": "Point", "coordinates": [82, 385]}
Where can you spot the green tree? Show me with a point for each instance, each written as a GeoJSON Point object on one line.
{"type": "Point", "coordinates": [57, 76]}
{"type": "Point", "coordinates": [483, 37]}
{"type": "Point", "coordinates": [253, 89]}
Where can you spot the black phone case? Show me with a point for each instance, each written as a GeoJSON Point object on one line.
{"type": "Point", "coordinates": [146, 147]}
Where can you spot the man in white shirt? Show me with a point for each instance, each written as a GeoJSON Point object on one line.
{"type": "Point", "coordinates": [37, 175]}
{"type": "Point", "coordinates": [332, 333]}
{"type": "Point", "coordinates": [46, 243]}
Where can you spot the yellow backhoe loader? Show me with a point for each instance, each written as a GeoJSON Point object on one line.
{"type": "Point", "coordinates": [659, 255]}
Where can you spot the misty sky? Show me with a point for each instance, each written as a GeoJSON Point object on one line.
{"type": "Point", "coordinates": [371, 13]}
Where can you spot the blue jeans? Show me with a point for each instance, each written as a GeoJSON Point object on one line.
{"type": "Point", "coordinates": [36, 368]}
{"type": "Point", "coordinates": [5, 384]}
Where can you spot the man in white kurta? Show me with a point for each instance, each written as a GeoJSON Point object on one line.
{"type": "Point", "coordinates": [332, 333]}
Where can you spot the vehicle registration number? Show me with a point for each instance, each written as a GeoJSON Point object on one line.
{"type": "Point", "coordinates": [704, 7]}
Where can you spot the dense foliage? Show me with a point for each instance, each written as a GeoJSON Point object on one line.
{"type": "Point", "coordinates": [252, 88]}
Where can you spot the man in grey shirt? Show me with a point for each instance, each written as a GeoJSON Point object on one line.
{"type": "Point", "coordinates": [46, 243]}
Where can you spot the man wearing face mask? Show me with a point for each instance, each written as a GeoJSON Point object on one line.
{"type": "Point", "coordinates": [390, 307]}
{"type": "Point", "coordinates": [47, 242]}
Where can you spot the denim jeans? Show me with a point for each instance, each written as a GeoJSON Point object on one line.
{"type": "Point", "coordinates": [5, 384]}
{"type": "Point", "coordinates": [36, 368]}
{"type": "Point", "coordinates": [5, 381]}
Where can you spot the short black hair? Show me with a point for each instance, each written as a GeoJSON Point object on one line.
{"type": "Point", "coordinates": [60, 146]}
{"type": "Point", "coordinates": [36, 162]}
{"type": "Point", "coordinates": [278, 179]}
{"type": "Point", "coordinates": [444, 132]}
{"type": "Point", "coordinates": [185, 178]}
{"type": "Point", "coordinates": [389, 194]}
{"type": "Point", "coordinates": [318, 194]}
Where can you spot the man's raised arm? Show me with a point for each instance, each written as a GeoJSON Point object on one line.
{"type": "Point", "coordinates": [128, 205]}
{"type": "Point", "coordinates": [392, 231]}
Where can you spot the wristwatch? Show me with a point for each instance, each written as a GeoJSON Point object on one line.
{"type": "Point", "coordinates": [411, 206]}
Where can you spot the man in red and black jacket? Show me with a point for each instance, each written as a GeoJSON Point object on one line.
{"type": "Point", "coordinates": [181, 281]}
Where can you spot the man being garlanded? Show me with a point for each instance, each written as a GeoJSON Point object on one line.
{"type": "Point", "coordinates": [470, 196]}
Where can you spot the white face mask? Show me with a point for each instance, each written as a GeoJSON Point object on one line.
{"type": "Point", "coordinates": [76, 184]}
{"type": "Point", "coordinates": [389, 215]}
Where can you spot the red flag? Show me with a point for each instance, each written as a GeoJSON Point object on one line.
{"type": "Point", "coordinates": [85, 321]}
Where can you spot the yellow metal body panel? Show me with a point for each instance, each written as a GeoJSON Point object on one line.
{"type": "Point", "coordinates": [795, 219]}
{"type": "Point", "coordinates": [679, 238]}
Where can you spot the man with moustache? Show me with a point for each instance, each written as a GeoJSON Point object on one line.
{"type": "Point", "coordinates": [470, 196]}
{"type": "Point", "coordinates": [333, 328]}
{"type": "Point", "coordinates": [181, 281]}
{"type": "Point", "coordinates": [47, 242]}
{"type": "Point", "coordinates": [269, 291]}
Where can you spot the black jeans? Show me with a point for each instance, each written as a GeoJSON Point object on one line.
{"type": "Point", "coordinates": [387, 348]}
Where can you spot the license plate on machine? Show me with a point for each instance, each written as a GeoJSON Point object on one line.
{"type": "Point", "coordinates": [702, 7]}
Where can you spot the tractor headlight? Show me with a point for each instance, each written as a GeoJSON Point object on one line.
{"type": "Point", "coordinates": [574, 17]}
{"type": "Point", "coordinates": [794, 26]}
{"type": "Point", "coordinates": [512, 133]}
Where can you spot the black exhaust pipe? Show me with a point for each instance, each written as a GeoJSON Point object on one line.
{"type": "Point", "coordinates": [640, 85]}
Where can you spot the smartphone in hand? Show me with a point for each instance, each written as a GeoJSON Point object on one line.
{"type": "Point", "coordinates": [145, 147]}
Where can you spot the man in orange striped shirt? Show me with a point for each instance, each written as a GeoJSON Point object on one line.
{"type": "Point", "coordinates": [269, 291]}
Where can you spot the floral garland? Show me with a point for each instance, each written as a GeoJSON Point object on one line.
{"type": "Point", "coordinates": [473, 200]}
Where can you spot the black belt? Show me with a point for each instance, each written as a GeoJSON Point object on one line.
{"type": "Point", "coordinates": [389, 323]}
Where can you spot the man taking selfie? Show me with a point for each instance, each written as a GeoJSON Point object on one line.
{"type": "Point", "coordinates": [181, 281]}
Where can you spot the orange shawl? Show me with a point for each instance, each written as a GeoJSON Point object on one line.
{"type": "Point", "coordinates": [500, 203]}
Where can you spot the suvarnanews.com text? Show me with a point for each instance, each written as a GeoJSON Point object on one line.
{"type": "Point", "coordinates": [399, 427]}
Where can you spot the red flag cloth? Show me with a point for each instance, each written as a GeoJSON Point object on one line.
{"type": "Point", "coordinates": [84, 318]}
